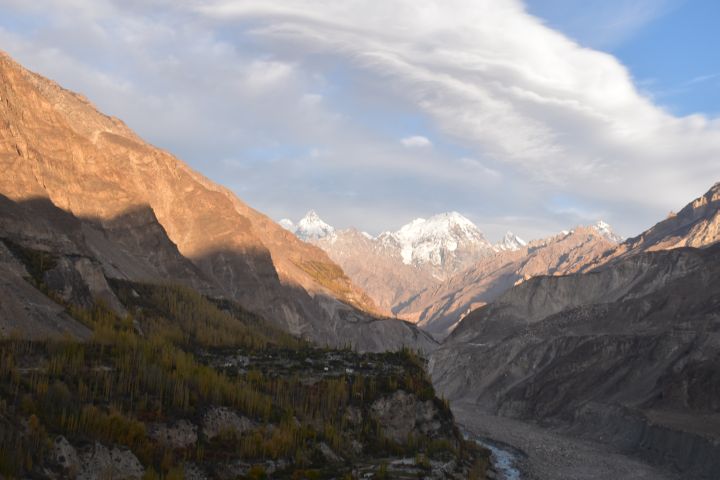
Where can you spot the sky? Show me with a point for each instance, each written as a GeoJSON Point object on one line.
{"type": "Point", "coordinates": [526, 116]}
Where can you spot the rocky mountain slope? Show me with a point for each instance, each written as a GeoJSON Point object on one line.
{"type": "Point", "coordinates": [198, 388]}
{"type": "Point", "coordinates": [696, 225]}
{"type": "Point", "coordinates": [433, 272]}
{"type": "Point", "coordinates": [510, 242]}
{"type": "Point", "coordinates": [396, 265]}
{"type": "Point", "coordinates": [628, 353]}
{"type": "Point", "coordinates": [438, 309]}
{"type": "Point", "coordinates": [81, 184]}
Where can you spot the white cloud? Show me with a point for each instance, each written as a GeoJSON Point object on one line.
{"type": "Point", "coordinates": [517, 111]}
{"type": "Point", "coordinates": [416, 141]}
{"type": "Point", "coordinates": [495, 78]}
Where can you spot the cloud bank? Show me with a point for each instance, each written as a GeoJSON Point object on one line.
{"type": "Point", "coordinates": [299, 103]}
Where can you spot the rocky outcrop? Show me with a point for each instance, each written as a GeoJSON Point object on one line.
{"type": "Point", "coordinates": [65, 455]}
{"type": "Point", "coordinates": [99, 462]}
{"type": "Point", "coordinates": [696, 225]}
{"type": "Point", "coordinates": [219, 420]}
{"type": "Point", "coordinates": [27, 313]}
{"type": "Point", "coordinates": [403, 414]}
{"type": "Point", "coordinates": [179, 435]}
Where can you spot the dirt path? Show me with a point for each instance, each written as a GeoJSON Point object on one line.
{"type": "Point", "coordinates": [549, 456]}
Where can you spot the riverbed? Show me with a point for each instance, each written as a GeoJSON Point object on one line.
{"type": "Point", "coordinates": [528, 452]}
{"type": "Point", "coordinates": [504, 458]}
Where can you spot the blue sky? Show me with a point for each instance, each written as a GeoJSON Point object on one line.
{"type": "Point", "coordinates": [532, 117]}
{"type": "Point", "coordinates": [670, 46]}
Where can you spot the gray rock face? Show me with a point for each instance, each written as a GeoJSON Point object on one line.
{"type": "Point", "coordinates": [402, 414]}
{"type": "Point", "coordinates": [99, 463]}
{"type": "Point", "coordinates": [696, 225]}
{"type": "Point", "coordinates": [616, 354]}
{"type": "Point", "coordinates": [193, 472]}
{"type": "Point", "coordinates": [66, 456]}
{"type": "Point", "coordinates": [181, 434]}
{"type": "Point", "coordinates": [28, 313]}
{"type": "Point", "coordinates": [221, 419]}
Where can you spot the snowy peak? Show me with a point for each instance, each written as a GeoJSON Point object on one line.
{"type": "Point", "coordinates": [287, 224]}
{"type": "Point", "coordinates": [510, 243]}
{"type": "Point", "coordinates": [606, 231]}
{"type": "Point", "coordinates": [431, 240]}
{"type": "Point", "coordinates": [312, 227]}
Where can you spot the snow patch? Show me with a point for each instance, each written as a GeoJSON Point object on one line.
{"type": "Point", "coordinates": [510, 243]}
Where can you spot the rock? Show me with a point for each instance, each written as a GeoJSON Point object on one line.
{"type": "Point", "coordinates": [100, 463]}
{"type": "Point", "coordinates": [221, 419]}
{"type": "Point", "coordinates": [181, 434]}
{"type": "Point", "coordinates": [626, 354]}
{"type": "Point", "coordinates": [328, 453]}
{"type": "Point", "coordinates": [353, 416]}
{"type": "Point", "coordinates": [401, 414]}
{"type": "Point", "coordinates": [194, 472]}
{"type": "Point", "coordinates": [66, 456]}
{"type": "Point", "coordinates": [64, 280]}
{"type": "Point", "coordinates": [356, 447]}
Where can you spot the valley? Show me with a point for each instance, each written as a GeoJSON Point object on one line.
{"type": "Point", "coordinates": [153, 325]}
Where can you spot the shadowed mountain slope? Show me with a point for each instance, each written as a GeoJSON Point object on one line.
{"type": "Point", "coordinates": [142, 214]}
{"type": "Point", "coordinates": [628, 353]}
{"type": "Point", "coordinates": [439, 309]}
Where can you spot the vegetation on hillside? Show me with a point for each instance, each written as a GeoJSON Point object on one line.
{"type": "Point", "coordinates": [173, 357]}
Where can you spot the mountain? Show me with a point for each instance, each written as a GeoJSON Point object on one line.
{"type": "Point", "coordinates": [606, 231]}
{"type": "Point", "coordinates": [438, 309]}
{"type": "Point", "coordinates": [82, 185]}
{"type": "Point", "coordinates": [696, 225]}
{"type": "Point", "coordinates": [154, 326]}
{"type": "Point", "coordinates": [446, 243]}
{"type": "Point", "coordinates": [196, 387]}
{"type": "Point", "coordinates": [376, 265]}
{"type": "Point", "coordinates": [394, 266]}
{"type": "Point", "coordinates": [434, 271]}
{"type": "Point", "coordinates": [311, 227]}
{"type": "Point", "coordinates": [627, 353]}
{"type": "Point", "coordinates": [510, 243]}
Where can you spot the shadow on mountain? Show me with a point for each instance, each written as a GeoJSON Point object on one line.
{"type": "Point", "coordinates": [628, 354]}
{"type": "Point", "coordinates": [135, 246]}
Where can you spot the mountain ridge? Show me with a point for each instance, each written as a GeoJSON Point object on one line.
{"type": "Point", "coordinates": [399, 269]}
{"type": "Point", "coordinates": [57, 146]}
{"type": "Point", "coordinates": [624, 353]}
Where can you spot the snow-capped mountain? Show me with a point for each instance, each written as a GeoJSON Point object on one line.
{"type": "Point", "coordinates": [404, 271]}
{"type": "Point", "coordinates": [510, 243]}
{"type": "Point", "coordinates": [310, 228]}
{"type": "Point", "coordinates": [395, 265]}
{"type": "Point", "coordinates": [436, 239]}
{"type": "Point", "coordinates": [607, 232]}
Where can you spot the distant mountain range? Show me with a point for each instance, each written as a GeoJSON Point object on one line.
{"type": "Point", "coordinates": [433, 271]}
